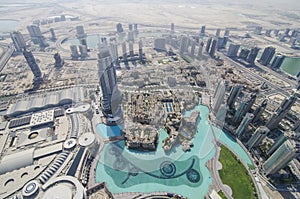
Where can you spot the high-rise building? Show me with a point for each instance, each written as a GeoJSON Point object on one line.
{"type": "Point", "coordinates": [108, 81]}
{"type": "Point", "coordinates": [160, 44]}
{"type": "Point", "coordinates": [18, 41]}
{"type": "Point", "coordinates": [130, 27]}
{"type": "Point", "coordinates": [193, 46]}
{"type": "Point", "coordinates": [280, 140]}
{"type": "Point", "coordinates": [219, 95]}
{"type": "Point", "coordinates": [208, 44]}
{"type": "Point", "coordinates": [83, 51]}
{"type": "Point", "coordinates": [200, 48]}
{"type": "Point", "coordinates": [234, 93]}
{"type": "Point", "coordinates": [278, 60]}
{"type": "Point", "coordinates": [213, 48]}
{"type": "Point", "coordinates": [53, 37]}
{"type": "Point", "coordinates": [202, 32]}
{"type": "Point", "coordinates": [258, 136]}
{"type": "Point", "coordinates": [244, 54]}
{"type": "Point", "coordinates": [281, 157]}
{"type": "Point", "coordinates": [131, 52]}
{"type": "Point", "coordinates": [281, 112]}
{"type": "Point", "coordinates": [218, 31]}
{"type": "Point", "coordinates": [268, 33]}
{"type": "Point", "coordinates": [59, 62]}
{"type": "Point", "coordinates": [33, 65]}
{"type": "Point", "coordinates": [233, 50]}
{"type": "Point", "coordinates": [221, 43]}
{"type": "Point", "coordinates": [267, 55]}
{"type": "Point", "coordinates": [244, 124]}
{"type": "Point", "coordinates": [80, 32]}
{"type": "Point", "coordinates": [141, 50]}
{"type": "Point", "coordinates": [259, 110]}
{"type": "Point", "coordinates": [258, 30]}
{"type": "Point", "coordinates": [226, 34]}
{"type": "Point", "coordinates": [135, 27]}
{"type": "Point", "coordinates": [184, 44]}
{"type": "Point", "coordinates": [74, 52]}
{"type": "Point", "coordinates": [130, 36]}
{"type": "Point", "coordinates": [119, 28]}
{"type": "Point", "coordinates": [113, 49]}
{"type": "Point", "coordinates": [296, 127]}
{"type": "Point", "coordinates": [124, 51]}
{"type": "Point", "coordinates": [243, 108]}
{"type": "Point", "coordinates": [36, 35]}
{"type": "Point", "coordinates": [172, 28]}
{"type": "Point", "coordinates": [252, 55]}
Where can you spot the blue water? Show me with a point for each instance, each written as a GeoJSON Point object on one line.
{"type": "Point", "coordinates": [134, 171]}
{"type": "Point", "coordinates": [8, 25]}
{"type": "Point", "coordinates": [108, 131]}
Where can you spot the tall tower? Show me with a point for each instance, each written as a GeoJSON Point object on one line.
{"type": "Point", "coordinates": [80, 32]}
{"type": "Point", "coordinates": [184, 43]}
{"type": "Point", "coordinates": [281, 112]}
{"type": "Point", "coordinates": [281, 157]}
{"type": "Point", "coordinates": [278, 60]}
{"type": "Point", "coordinates": [277, 143]}
{"type": "Point", "coordinates": [252, 55]}
{"type": "Point", "coordinates": [244, 108]}
{"type": "Point", "coordinates": [218, 31]}
{"type": "Point", "coordinates": [267, 55]}
{"type": "Point", "coordinates": [33, 65]}
{"type": "Point", "coordinates": [131, 52]}
{"type": "Point", "coordinates": [202, 31]}
{"type": "Point", "coordinates": [226, 34]}
{"type": "Point", "coordinates": [107, 78]}
{"type": "Point", "coordinates": [208, 44]}
{"type": "Point", "coordinates": [244, 124]}
{"type": "Point", "coordinates": [124, 51]}
{"type": "Point", "coordinates": [113, 49]}
{"type": "Point", "coordinates": [36, 35]}
{"type": "Point", "coordinates": [199, 54]}
{"type": "Point", "coordinates": [18, 41]}
{"type": "Point", "coordinates": [53, 37]}
{"type": "Point", "coordinates": [219, 95]}
{"type": "Point", "coordinates": [233, 50]}
{"type": "Point", "coordinates": [59, 62]}
{"type": "Point", "coordinates": [119, 28]}
{"type": "Point", "coordinates": [172, 28]}
{"type": "Point", "coordinates": [213, 48]}
{"type": "Point", "coordinates": [259, 110]}
{"type": "Point", "coordinates": [244, 54]}
{"type": "Point", "coordinates": [141, 50]}
{"type": "Point", "coordinates": [258, 136]}
{"type": "Point", "coordinates": [234, 93]}
{"type": "Point", "coordinates": [193, 46]}
{"type": "Point", "coordinates": [74, 52]}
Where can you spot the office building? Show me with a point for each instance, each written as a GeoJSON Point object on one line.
{"type": "Point", "coordinates": [281, 157]}
{"type": "Point", "coordinates": [226, 34]}
{"type": "Point", "coordinates": [131, 52]}
{"type": "Point", "coordinates": [267, 56]}
{"type": "Point", "coordinates": [53, 37]}
{"type": "Point", "coordinates": [259, 110]}
{"type": "Point", "coordinates": [221, 115]}
{"type": "Point", "coordinates": [83, 51]}
{"type": "Point", "coordinates": [208, 44]}
{"type": "Point", "coordinates": [59, 62]}
{"type": "Point", "coordinates": [80, 32]}
{"type": "Point", "coordinates": [135, 27]}
{"type": "Point", "coordinates": [213, 48]}
{"type": "Point", "coordinates": [258, 136]}
{"type": "Point", "coordinates": [221, 43]}
{"type": "Point", "coordinates": [119, 28]}
{"type": "Point", "coordinates": [193, 46]}
{"type": "Point", "coordinates": [36, 35]}
{"type": "Point", "coordinates": [141, 50]}
{"type": "Point", "coordinates": [18, 41]}
{"type": "Point", "coordinates": [74, 52]}
{"type": "Point", "coordinates": [172, 28]}
{"type": "Point", "coordinates": [130, 27]}
{"type": "Point", "coordinates": [184, 44]}
{"type": "Point", "coordinates": [124, 51]}
{"type": "Point", "coordinates": [252, 55]}
{"type": "Point", "coordinates": [218, 31]}
{"type": "Point", "coordinates": [33, 65]}
{"type": "Point", "coordinates": [280, 140]}
{"type": "Point", "coordinates": [278, 60]}
{"type": "Point", "coordinates": [234, 93]}
{"type": "Point", "coordinates": [108, 81]}
{"type": "Point", "coordinates": [244, 54]}
{"type": "Point", "coordinates": [113, 49]}
{"type": "Point", "coordinates": [160, 44]}
{"type": "Point", "coordinates": [130, 36]}
{"type": "Point", "coordinates": [202, 32]}
{"type": "Point", "coordinates": [243, 108]}
{"type": "Point", "coordinates": [219, 95]}
{"type": "Point", "coordinates": [233, 50]}
{"type": "Point", "coordinates": [244, 124]}
{"type": "Point", "coordinates": [200, 48]}
{"type": "Point", "coordinates": [281, 112]}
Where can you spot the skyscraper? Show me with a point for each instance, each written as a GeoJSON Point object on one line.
{"type": "Point", "coordinates": [33, 65]}
{"type": "Point", "coordinates": [252, 55]}
{"type": "Point", "coordinates": [278, 60]}
{"type": "Point", "coordinates": [119, 28]}
{"type": "Point", "coordinates": [53, 37]}
{"type": "Point", "coordinates": [184, 43]}
{"type": "Point", "coordinates": [233, 50]}
{"type": "Point", "coordinates": [74, 52]}
{"type": "Point", "coordinates": [59, 62]}
{"type": "Point", "coordinates": [226, 34]}
{"type": "Point", "coordinates": [113, 49]}
{"type": "Point", "coordinates": [160, 44]}
{"type": "Point", "coordinates": [258, 136]}
{"type": "Point", "coordinates": [243, 108]}
{"type": "Point", "coordinates": [80, 32]}
{"type": "Point", "coordinates": [193, 46]}
{"type": "Point", "coordinates": [218, 31]}
{"type": "Point", "coordinates": [244, 54]}
{"type": "Point", "coordinates": [18, 41]}
{"type": "Point", "coordinates": [259, 110]}
{"type": "Point", "coordinates": [135, 27]}
{"type": "Point", "coordinates": [130, 36]}
{"type": "Point", "coordinates": [280, 140]}
{"type": "Point", "coordinates": [124, 51]}
{"type": "Point", "coordinates": [219, 95]}
{"type": "Point", "coordinates": [199, 54]}
{"type": "Point", "coordinates": [267, 55]}
{"type": "Point", "coordinates": [281, 112]}
{"type": "Point", "coordinates": [202, 32]}
{"type": "Point", "coordinates": [131, 53]}
{"type": "Point", "coordinates": [281, 157]}
{"type": "Point", "coordinates": [244, 124]}
{"type": "Point", "coordinates": [36, 35]}
{"type": "Point", "coordinates": [213, 48]}
{"type": "Point", "coordinates": [130, 27]}
{"type": "Point", "coordinates": [83, 51]}
{"type": "Point", "coordinates": [172, 28]}
{"type": "Point", "coordinates": [208, 44]}
{"type": "Point", "coordinates": [234, 93]}
{"type": "Point", "coordinates": [107, 78]}
{"type": "Point", "coordinates": [141, 50]}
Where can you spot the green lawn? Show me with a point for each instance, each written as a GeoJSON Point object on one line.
{"type": "Point", "coordinates": [222, 195]}
{"type": "Point", "coordinates": [235, 175]}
